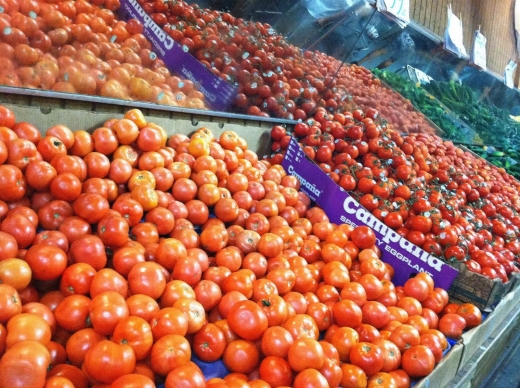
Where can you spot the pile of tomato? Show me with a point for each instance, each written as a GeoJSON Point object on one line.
{"type": "Point", "coordinates": [275, 78]}
{"type": "Point", "coordinates": [124, 253]}
{"type": "Point", "coordinates": [82, 47]}
{"type": "Point", "coordinates": [448, 201]}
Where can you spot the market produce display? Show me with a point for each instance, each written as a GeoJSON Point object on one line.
{"type": "Point", "coordinates": [275, 78]}
{"type": "Point", "coordinates": [125, 253]}
{"type": "Point", "coordinates": [82, 47]}
{"type": "Point", "coordinates": [448, 201]}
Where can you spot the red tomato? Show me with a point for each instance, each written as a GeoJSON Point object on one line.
{"type": "Point", "coordinates": [25, 365]}
{"type": "Point", "coordinates": [47, 262]}
{"type": "Point", "coordinates": [106, 310]}
{"type": "Point", "coordinates": [185, 376]}
{"type": "Point", "coordinates": [471, 314]}
{"type": "Point", "coordinates": [12, 183]}
{"type": "Point", "coordinates": [368, 357]}
{"type": "Point", "coordinates": [209, 343]}
{"type": "Point", "coordinates": [276, 371]}
{"type": "Point", "coordinates": [248, 320]}
{"type": "Point", "coordinates": [137, 333]}
{"type": "Point", "coordinates": [418, 361]}
{"type": "Point", "coordinates": [169, 352]}
{"type": "Point", "coordinates": [106, 361]}
{"type": "Point", "coordinates": [452, 325]}
{"type": "Point", "coordinates": [241, 356]}
{"type": "Point", "coordinates": [133, 380]}
{"type": "Point", "coordinates": [27, 327]}
{"type": "Point", "coordinates": [391, 355]}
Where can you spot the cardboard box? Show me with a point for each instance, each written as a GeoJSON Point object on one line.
{"type": "Point", "coordinates": [45, 112]}
{"type": "Point", "coordinates": [445, 370]}
{"type": "Point", "coordinates": [474, 288]}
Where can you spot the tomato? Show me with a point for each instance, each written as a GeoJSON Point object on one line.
{"type": "Point", "coordinates": [137, 333]}
{"type": "Point", "coordinates": [433, 342]}
{"type": "Point", "coordinates": [347, 313]}
{"type": "Point", "coordinates": [343, 339]}
{"type": "Point", "coordinates": [241, 356]}
{"type": "Point", "coordinates": [147, 278]}
{"type": "Point", "coordinates": [434, 301]}
{"type": "Point", "coordinates": [8, 245]}
{"type": "Point", "coordinates": [276, 341]}
{"type": "Point", "coordinates": [89, 249]}
{"type": "Point", "coordinates": [71, 373]}
{"type": "Point", "coordinates": [405, 336]}
{"type": "Point", "coordinates": [185, 376]}
{"type": "Point", "coordinates": [58, 381]}
{"type": "Point", "coordinates": [411, 305]}
{"type": "Point", "coordinates": [305, 353]}
{"type": "Point", "coordinates": [276, 371]}
{"type": "Point", "coordinates": [169, 320]}
{"type": "Point", "coordinates": [106, 361]}
{"type": "Point", "coordinates": [353, 376]}
{"type": "Point", "coordinates": [209, 343]}
{"type": "Point", "coordinates": [39, 174]}
{"type": "Point", "coordinates": [452, 325]}
{"type": "Point", "coordinates": [27, 327]}
{"type": "Point", "coordinates": [391, 355]}
{"type": "Point", "coordinates": [214, 238]}
{"type": "Point", "coordinates": [142, 306]}
{"type": "Point", "coordinates": [106, 310]}
{"type": "Point", "coordinates": [417, 288]}
{"type": "Point", "coordinates": [238, 281]}
{"type": "Point", "coordinates": [10, 303]}
{"type": "Point", "coordinates": [113, 230]}
{"type": "Point", "coordinates": [368, 357]}
{"type": "Point", "coordinates": [133, 380]}
{"type": "Point", "coordinates": [15, 272]}
{"type": "Point", "coordinates": [471, 314]}
{"type": "Point", "coordinates": [20, 227]}
{"type": "Point", "coordinates": [194, 312]}
{"type": "Point", "coordinates": [372, 285]}
{"type": "Point", "coordinates": [375, 314]}
{"type": "Point", "coordinates": [47, 262]}
{"type": "Point", "coordinates": [12, 183]}
{"type": "Point", "coordinates": [107, 279]}
{"type": "Point", "coordinates": [382, 379]}
{"type": "Point", "coordinates": [79, 343]}
{"type": "Point", "coordinates": [418, 361]}
{"type": "Point", "coordinates": [73, 227]}
{"type": "Point", "coordinates": [175, 290]}
{"type": "Point", "coordinates": [7, 117]}
{"type": "Point", "coordinates": [54, 238]}
{"type": "Point", "coordinates": [169, 352]}
{"type": "Point", "coordinates": [92, 207]}
{"type": "Point", "coordinates": [25, 365]}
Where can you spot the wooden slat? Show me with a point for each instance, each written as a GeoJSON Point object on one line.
{"type": "Point", "coordinates": [494, 17]}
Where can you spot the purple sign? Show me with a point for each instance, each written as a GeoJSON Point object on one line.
{"type": "Point", "coordinates": [405, 257]}
{"type": "Point", "coordinates": [219, 94]}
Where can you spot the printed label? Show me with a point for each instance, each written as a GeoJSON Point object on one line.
{"type": "Point", "coordinates": [406, 258]}
{"type": "Point", "coordinates": [218, 93]}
